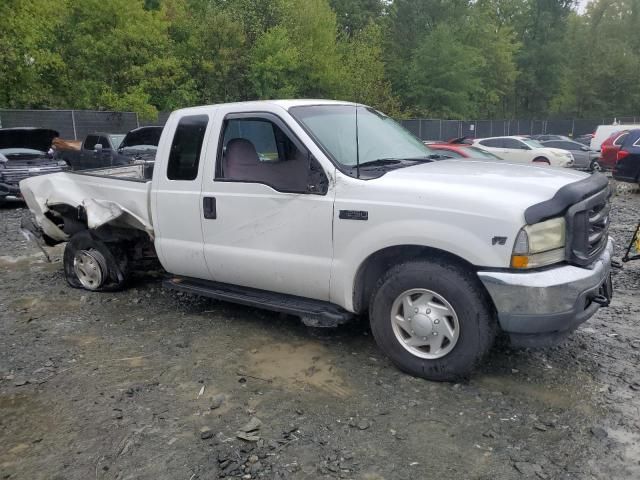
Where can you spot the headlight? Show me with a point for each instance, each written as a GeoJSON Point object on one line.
{"type": "Point", "coordinates": [539, 244]}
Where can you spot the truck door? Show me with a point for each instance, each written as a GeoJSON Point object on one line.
{"type": "Point", "coordinates": [267, 208]}
{"type": "Point", "coordinates": [175, 197]}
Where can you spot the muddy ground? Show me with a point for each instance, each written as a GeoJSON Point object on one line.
{"type": "Point", "coordinates": [151, 384]}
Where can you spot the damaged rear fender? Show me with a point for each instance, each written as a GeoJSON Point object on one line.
{"type": "Point", "coordinates": [53, 198]}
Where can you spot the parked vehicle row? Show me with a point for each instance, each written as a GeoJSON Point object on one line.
{"type": "Point", "coordinates": [100, 150]}
{"type": "Point", "coordinates": [24, 153]}
{"type": "Point", "coordinates": [328, 210]}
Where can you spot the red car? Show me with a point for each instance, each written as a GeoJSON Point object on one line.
{"type": "Point", "coordinates": [610, 149]}
{"type": "Point", "coordinates": [462, 150]}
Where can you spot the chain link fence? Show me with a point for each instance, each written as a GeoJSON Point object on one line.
{"type": "Point", "coordinates": [436, 129]}
{"type": "Point", "coordinates": [76, 124]}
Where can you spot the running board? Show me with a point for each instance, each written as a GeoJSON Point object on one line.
{"type": "Point", "coordinates": [314, 313]}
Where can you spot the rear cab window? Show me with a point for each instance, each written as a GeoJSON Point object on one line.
{"type": "Point", "coordinates": [186, 147]}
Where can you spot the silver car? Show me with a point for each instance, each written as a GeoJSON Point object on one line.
{"type": "Point", "coordinates": [584, 158]}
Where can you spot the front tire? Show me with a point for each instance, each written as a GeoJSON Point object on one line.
{"type": "Point", "coordinates": [432, 319]}
{"type": "Point", "coordinates": [92, 265]}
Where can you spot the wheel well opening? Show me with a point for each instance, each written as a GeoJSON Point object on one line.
{"type": "Point", "coordinates": [67, 218]}
{"type": "Point", "coordinates": [378, 263]}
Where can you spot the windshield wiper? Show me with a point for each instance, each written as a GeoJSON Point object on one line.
{"type": "Point", "coordinates": [381, 161]}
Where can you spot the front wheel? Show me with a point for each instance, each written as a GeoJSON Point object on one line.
{"type": "Point", "coordinates": [432, 319]}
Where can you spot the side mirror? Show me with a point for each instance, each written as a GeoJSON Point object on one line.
{"type": "Point", "coordinates": [97, 148]}
{"type": "Point", "coordinates": [585, 149]}
{"type": "Point", "coordinates": [317, 182]}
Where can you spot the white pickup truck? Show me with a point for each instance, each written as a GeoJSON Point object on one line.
{"type": "Point", "coordinates": [327, 210]}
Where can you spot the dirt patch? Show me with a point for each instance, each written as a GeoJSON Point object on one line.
{"type": "Point", "coordinates": [298, 367]}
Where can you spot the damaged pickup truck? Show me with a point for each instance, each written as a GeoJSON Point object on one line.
{"type": "Point", "coordinates": [330, 210]}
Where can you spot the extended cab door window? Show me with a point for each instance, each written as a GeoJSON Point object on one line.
{"type": "Point", "coordinates": [184, 157]}
{"type": "Point", "coordinates": [257, 150]}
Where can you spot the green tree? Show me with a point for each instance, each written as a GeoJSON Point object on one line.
{"type": "Point", "coordinates": [364, 78]}
{"type": "Point", "coordinates": [356, 15]}
{"type": "Point", "coordinates": [444, 78]}
{"type": "Point", "coordinates": [29, 62]}
{"type": "Point", "coordinates": [273, 70]}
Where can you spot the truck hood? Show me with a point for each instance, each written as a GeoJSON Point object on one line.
{"type": "Point", "coordinates": [483, 184]}
{"type": "Point", "coordinates": [31, 138]}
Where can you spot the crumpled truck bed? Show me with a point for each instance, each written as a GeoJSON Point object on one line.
{"type": "Point", "coordinates": [106, 200]}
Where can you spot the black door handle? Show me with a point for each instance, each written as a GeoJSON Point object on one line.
{"type": "Point", "coordinates": [209, 207]}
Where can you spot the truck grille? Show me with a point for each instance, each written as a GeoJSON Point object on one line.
{"type": "Point", "coordinates": [588, 225]}
{"type": "Point", "coordinates": [15, 171]}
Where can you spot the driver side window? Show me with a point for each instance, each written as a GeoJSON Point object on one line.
{"type": "Point", "coordinates": [256, 150]}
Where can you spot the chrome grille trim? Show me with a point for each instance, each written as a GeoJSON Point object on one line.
{"type": "Point", "coordinates": [587, 228]}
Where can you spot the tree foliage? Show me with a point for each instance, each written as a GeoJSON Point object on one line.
{"type": "Point", "coordinates": [451, 58]}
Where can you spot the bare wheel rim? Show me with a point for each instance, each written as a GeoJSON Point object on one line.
{"type": "Point", "coordinates": [424, 323]}
{"type": "Point", "coordinates": [90, 268]}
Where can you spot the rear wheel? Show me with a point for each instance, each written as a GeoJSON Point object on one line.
{"type": "Point", "coordinates": [92, 265]}
{"type": "Point", "coordinates": [432, 320]}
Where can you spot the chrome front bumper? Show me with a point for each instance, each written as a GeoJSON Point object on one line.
{"type": "Point", "coordinates": [548, 302]}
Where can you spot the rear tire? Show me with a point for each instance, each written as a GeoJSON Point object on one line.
{"type": "Point", "coordinates": [444, 300]}
{"type": "Point", "coordinates": [92, 265]}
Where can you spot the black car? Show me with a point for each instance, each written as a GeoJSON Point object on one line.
{"type": "Point", "coordinates": [627, 166]}
{"type": "Point", "coordinates": [25, 152]}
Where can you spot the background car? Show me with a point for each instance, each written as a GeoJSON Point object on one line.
{"type": "Point", "coordinates": [545, 137]}
{"type": "Point", "coordinates": [610, 147]}
{"type": "Point", "coordinates": [583, 157]}
{"type": "Point", "coordinates": [626, 164]}
{"type": "Point", "coordinates": [454, 150]}
{"type": "Point", "coordinates": [584, 139]}
{"type": "Point", "coordinates": [605, 131]}
{"type": "Point", "coordinates": [23, 154]}
{"type": "Point", "coordinates": [519, 149]}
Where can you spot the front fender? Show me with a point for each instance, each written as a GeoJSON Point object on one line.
{"type": "Point", "coordinates": [471, 240]}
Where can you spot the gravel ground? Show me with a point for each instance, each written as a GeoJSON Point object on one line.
{"type": "Point", "coordinates": [151, 384]}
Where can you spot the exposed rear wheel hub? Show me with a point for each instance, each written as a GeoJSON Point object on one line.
{"type": "Point", "coordinates": [91, 268]}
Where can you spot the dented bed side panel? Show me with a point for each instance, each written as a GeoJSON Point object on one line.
{"type": "Point", "coordinates": [95, 194]}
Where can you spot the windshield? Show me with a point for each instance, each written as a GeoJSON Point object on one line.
{"type": "Point", "coordinates": [532, 143]}
{"type": "Point", "coordinates": [144, 138]}
{"type": "Point", "coordinates": [379, 137]}
{"type": "Point", "coordinates": [476, 152]}
{"type": "Point", "coordinates": [116, 140]}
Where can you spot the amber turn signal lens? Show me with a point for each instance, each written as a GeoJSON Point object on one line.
{"type": "Point", "coordinates": [519, 261]}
